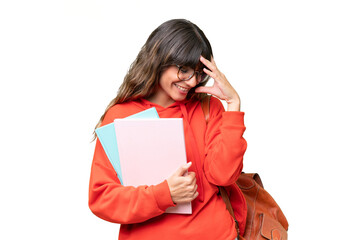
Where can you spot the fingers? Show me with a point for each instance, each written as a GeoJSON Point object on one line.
{"type": "Point", "coordinates": [183, 188]}
{"type": "Point", "coordinates": [210, 65]}
{"type": "Point", "coordinates": [190, 194]}
{"type": "Point", "coordinates": [191, 186]}
{"type": "Point", "coordinates": [209, 90]}
{"type": "Point", "coordinates": [191, 178]}
{"type": "Point", "coordinates": [212, 74]}
{"type": "Point", "coordinates": [183, 169]}
{"type": "Point", "coordinates": [195, 196]}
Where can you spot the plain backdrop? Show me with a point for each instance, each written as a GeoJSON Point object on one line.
{"type": "Point", "coordinates": [295, 65]}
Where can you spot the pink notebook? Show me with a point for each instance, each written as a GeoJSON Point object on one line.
{"type": "Point", "coordinates": [151, 150]}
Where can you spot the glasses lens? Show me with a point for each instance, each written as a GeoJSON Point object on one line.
{"type": "Point", "coordinates": [201, 77]}
{"type": "Point", "coordinates": [185, 73]}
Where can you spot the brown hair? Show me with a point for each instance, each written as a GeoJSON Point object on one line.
{"type": "Point", "coordinates": [175, 42]}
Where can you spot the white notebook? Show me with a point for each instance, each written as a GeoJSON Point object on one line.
{"type": "Point", "coordinates": [150, 151]}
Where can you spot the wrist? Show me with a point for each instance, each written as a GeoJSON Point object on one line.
{"type": "Point", "coordinates": [162, 195]}
{"type": "Point", "coordinates": [234, 104]}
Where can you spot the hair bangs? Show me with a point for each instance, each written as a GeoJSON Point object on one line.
{"type": "Point", "coordinates": [188, 54]}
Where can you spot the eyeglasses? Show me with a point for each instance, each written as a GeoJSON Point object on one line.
{"type": "Point", "coordinates": [186, 73]}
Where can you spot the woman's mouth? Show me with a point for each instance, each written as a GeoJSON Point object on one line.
{"type": "Point", "coordinates": [182, 89]}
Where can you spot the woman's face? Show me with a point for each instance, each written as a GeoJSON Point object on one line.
{"type": "Point", "coordinates": [171, 89]}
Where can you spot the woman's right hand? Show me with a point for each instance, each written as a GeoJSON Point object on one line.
{"type": "Point", "coordinates": [221, 88]}
{"type": "Point", "coordinates": [183, 187]}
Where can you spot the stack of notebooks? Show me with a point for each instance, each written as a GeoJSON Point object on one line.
{"type": "Point", "coordinates": [145, 150]}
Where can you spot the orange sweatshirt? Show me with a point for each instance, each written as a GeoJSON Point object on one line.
{"type": "Point", "coordinates": [216, 150]}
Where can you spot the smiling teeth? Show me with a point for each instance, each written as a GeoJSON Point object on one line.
{"type": "Point", "coordinates": [181, 88]}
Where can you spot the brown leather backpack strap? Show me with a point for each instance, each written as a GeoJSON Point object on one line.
{"type": "Point", "coordinates": [226, 199]}
{"type": "Point", "coordinates": [205, 105]}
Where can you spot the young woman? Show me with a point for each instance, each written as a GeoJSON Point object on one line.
{"type": "Point", "coordinates": [170, 73]}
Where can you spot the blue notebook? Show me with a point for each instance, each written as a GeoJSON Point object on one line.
{"type": "Point", "coordinates": [107, 137]}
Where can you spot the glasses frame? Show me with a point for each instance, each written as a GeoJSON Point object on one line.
{"type": "Point", "coordinates": [198, 75]}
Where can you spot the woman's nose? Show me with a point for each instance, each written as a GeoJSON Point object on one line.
{"type": "Point", "coordinates": [192, 82]}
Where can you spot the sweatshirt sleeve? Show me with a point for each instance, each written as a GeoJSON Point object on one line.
{"type": "Point", "coordinates": [225, 145]}
{"type": "Point", "coordinates": [111, 201]}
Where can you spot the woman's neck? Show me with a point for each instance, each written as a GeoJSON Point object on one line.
{"type": "Point", "coordinates": [158, 99]}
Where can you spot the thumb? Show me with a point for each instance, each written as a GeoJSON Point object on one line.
{"type": "Point", "coordinates": [203, 89]}
{"type": "Point", "coordinates": [209, 90]}
{"type": "Point", "coordinates": [183, 169]}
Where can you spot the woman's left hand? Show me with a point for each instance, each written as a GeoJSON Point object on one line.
{"type": "Point", "coordinates": [221, 88]}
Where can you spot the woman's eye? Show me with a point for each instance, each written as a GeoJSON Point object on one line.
{"type": "Point", "coordinates": [184, 70]}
